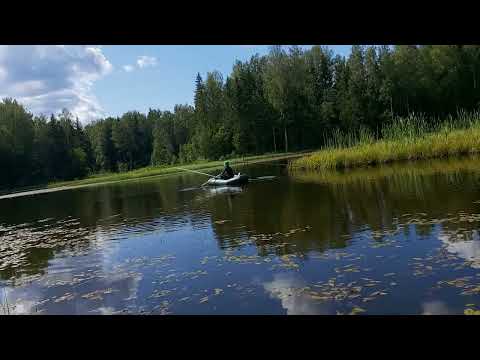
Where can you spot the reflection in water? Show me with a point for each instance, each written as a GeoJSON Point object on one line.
{"type": "Point", "coordinates": [284, 287]}
{"type": "Point", "coordinates": [465, 245]}
{"type": "Point", "coordinates": [435, 308]}
{"type": "Point", "coordinates": [73, 288]}
{"type": "Point", "coordinates": [224, 190]}
{"type": "Point", "coordinates": [150, 246]}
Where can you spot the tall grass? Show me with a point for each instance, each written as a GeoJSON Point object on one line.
{"type": "Point", "coordinates": [410, 138]}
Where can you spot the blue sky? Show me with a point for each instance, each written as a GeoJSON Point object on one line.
{"type": "Point", "coordinates": [97, 81]}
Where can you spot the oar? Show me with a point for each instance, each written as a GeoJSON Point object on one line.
{"type": "Point", "coordinates": [262, 178]}
{"type": "Point", "coordinates": [205, 183]}
{"type": "Point", "coordinates": [198, 172]}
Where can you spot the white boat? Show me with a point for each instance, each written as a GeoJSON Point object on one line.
{"type": "Point", "coordinates": [238, 179]}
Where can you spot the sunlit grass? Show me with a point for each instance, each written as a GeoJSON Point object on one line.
{"type": "Point", "coordinates": [168, 170]}
{"type": "Point", "coordinates": [412, 138]}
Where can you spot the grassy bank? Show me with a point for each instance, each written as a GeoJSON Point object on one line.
{"type": "Point", "coordinates": [401, 171]}
{"type": "Point", "coordinates": [413, 138]}
{"type": "Point", "coordinates": [170, 169]}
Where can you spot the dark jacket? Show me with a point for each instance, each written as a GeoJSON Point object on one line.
{"type": "Point", "coordinates": [227, 173]}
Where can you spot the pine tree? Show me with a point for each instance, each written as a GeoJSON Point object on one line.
{"type": "Point", "coordinates": [199, 94]}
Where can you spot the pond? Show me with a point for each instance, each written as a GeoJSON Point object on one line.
{"type": "Point", "coordinates": [399, 239]}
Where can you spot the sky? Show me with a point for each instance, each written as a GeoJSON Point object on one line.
{"type": "Point", "coordinates": [97, 81]}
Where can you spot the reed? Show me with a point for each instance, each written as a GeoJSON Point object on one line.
{"type": "Point", "coordinates": [403, 139]}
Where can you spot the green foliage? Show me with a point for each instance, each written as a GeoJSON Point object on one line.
{"type": "Point", "coordinates": [132, 139]}
{"type": "Point", "coordinates": [79, 163]}
{"type": "Point", "coordinates": [100, 136]}
{"type": "Point", "coordinates": [16, 142]}
{"type": "Point", "coordinates": [161, 154]}
{"type": "Point", "coordinates": [34, 150]}
{"type": "Point", "coordinates": [187, 153]}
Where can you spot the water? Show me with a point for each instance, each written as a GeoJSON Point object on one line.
{"type": "Point", "coordinates": [396, 240]}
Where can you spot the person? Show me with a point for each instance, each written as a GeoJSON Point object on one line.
{"type": "Point", "coordinates": [227, 172]}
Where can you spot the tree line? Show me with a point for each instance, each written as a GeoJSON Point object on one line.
{"type": "Point", "coordinates": [287, 100]}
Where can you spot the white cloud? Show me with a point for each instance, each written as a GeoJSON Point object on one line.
{"type": "Point", "coordinates": [48, 78]}
{"type": "Point", "coordinates": [146, 61]}
{"type": "Point", "coordinates": [128, 68]}
{"type": "Point", "coordinates": [29, 87]}
{"type": "Point", "coordinates": [3, 74]}
{"type": "Point", "coordinates": [141, 63]}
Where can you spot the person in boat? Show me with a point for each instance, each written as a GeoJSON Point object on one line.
{"type": "Point", "coordinates": [227, 172]}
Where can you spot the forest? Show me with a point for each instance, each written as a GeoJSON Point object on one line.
{"type": "Point", "coordinates": [287, 100]}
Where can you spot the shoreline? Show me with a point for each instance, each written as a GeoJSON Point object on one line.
{"type": "Point", "coordinates": [148, 173]}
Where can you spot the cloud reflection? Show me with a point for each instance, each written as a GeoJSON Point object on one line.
{"type": "Point", "coordinates": [435, 308]}
{"type": "Point", "coordinates": [100, 292]}
{"type": "Point", "coordinates": [466, 249]}
{"type": "Point", "coordinates": [285, 287]}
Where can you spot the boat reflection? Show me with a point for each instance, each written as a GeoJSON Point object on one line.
{"type": "Point", "coordinates": [224, 190]}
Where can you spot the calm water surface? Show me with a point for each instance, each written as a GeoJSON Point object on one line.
{"type": "Point", "coordinates": [392, 240]}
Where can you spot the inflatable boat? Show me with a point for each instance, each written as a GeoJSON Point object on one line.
{"type": "Point", "coordinates": [238, 179]}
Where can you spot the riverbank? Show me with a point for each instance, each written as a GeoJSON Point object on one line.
{"type": "Point", "coordinates": [444, 142]}
{"type": "Point", "coordinates": [149, 172]}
